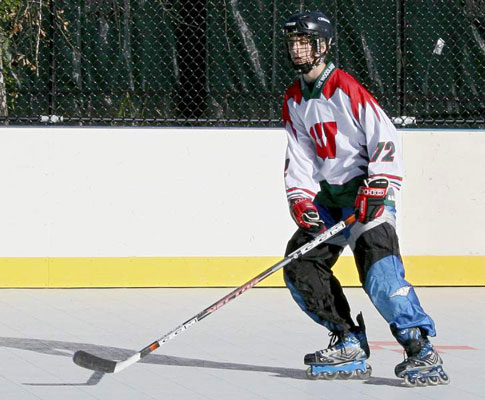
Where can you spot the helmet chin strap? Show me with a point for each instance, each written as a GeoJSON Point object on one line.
{"type": "Point", "coordinates": [307, 67]}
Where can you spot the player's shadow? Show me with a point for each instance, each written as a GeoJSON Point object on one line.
{"type": "Point", "coordinates": [67, 349]}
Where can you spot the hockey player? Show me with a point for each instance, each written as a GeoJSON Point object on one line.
{"type": "Point", "coordinates": [343, 157]}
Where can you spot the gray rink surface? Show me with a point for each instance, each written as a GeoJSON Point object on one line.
{"type": "Point", "coordinates": [250, 349]}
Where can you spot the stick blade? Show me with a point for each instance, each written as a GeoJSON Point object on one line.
{"type": "Point", "coordinates": [92, 362]}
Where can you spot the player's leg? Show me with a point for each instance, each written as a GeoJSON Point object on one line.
{"type": "Point", "coordinates": [319, 294]}
{"type": "Point", "coordinates": [314, 287]}
{"type": "Point", "coordinates": [376, 250]}
{"type": "Point", "coordinates": [381, 272]}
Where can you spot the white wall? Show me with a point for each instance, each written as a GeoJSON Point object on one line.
{"type": "Point", "coordinates": [141, 192]}
{"type": "Point", "coordinates": [443, 200]}
{"type": "Point", "coordinates": [100, 192]}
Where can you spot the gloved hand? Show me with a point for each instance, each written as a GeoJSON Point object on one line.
{"type": "Point", "coordinates": [306, 215]}
{"type": "Point", "coordinates": [369, 202]}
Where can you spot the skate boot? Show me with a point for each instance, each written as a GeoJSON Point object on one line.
{"type": "Point", "coordinates": [344, 358]}
{"type": "Point", "coordinates": [423, 365]}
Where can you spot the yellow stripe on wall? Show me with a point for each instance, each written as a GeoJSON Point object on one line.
{"type": "Point", "coordinates": [212, 271]}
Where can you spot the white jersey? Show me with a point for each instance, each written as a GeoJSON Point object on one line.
{"type": "Point", "coordinates": [338, 135]}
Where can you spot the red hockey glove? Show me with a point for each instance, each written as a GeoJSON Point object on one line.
{"type": "Point", "coordinates": [369, 202]}
{"type": "Point", "coordinates": [306, 215]}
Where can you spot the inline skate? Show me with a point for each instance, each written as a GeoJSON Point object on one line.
{"type": "Point", "coordinates": [423, 365]}
{"type": "Point", "coordinates": [345, 358]}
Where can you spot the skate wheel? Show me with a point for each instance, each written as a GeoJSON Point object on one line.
{"type": "Point", "coordinates": [434, 380]}
{"type": "Point", "coordinates": [328, 376]}
{"type": "Point", "coordinates": [443, 378]}
{"type": "Point", "coordinates": [408, 381]}
{"type": "Point", "coordinates": [422, 381]}
{"type": "Point", "coordinates": [344, 375]}
{"type": "Point", "coordinates": [364, 374]}
{"type": "Point", "coordinates": [311, 375]}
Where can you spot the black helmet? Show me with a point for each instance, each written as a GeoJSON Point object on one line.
{"type": "Point", "coordinates": [317, 27]}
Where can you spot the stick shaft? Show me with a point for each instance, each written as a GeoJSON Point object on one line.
{"type": "Point", "coordinates": [248, 285]}
{"type": "Point", "coordinates": [93, 362]}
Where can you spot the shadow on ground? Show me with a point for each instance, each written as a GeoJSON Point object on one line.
{"type": "Point", "coordinates": [67, 349]}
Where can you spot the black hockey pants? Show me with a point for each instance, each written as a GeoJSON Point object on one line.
{"type": "Point", "coordinates": [314, 286]}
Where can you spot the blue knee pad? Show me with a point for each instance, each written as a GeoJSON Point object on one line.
{"type": "Point", "coordinates": [394, 297]}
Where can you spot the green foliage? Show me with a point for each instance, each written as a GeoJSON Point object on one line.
{"type": "Point", "coordinates": [20, 28]}
{"type": "Point", "coordinates": [9, 10]}
{"type": "Point", "coordinates": [9, 7]}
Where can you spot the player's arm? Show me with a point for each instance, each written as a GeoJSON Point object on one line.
{"type": "Point", "coordinates": [383, 147]}
{"type": "Point", "coordinates": [385, 163]}
{"type": "Point", "coordinates": [300, 186]}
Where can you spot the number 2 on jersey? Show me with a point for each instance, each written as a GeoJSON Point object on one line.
{"type": "Point", "coordinates": [389, 150]}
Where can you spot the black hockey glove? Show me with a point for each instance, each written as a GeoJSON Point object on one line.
{"type": "Point", "coordinates": [306, 216]}
{"type": "Point", "coordinates": [369, 203]}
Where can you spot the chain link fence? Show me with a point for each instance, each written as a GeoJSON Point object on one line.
{"type": "Point", "coordinates": [223, 63]}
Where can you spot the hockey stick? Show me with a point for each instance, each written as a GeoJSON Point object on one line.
{"type": "Point", "coordinates": [90, 361]}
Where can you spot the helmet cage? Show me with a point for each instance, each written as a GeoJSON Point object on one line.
{"type": "Point", "coordinates": [317, 57]}
{"type": "Point", "coordinates": [316, 27]}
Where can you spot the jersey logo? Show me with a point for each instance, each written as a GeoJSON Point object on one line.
{"type": "Point", "coordinates": [325, 146]}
